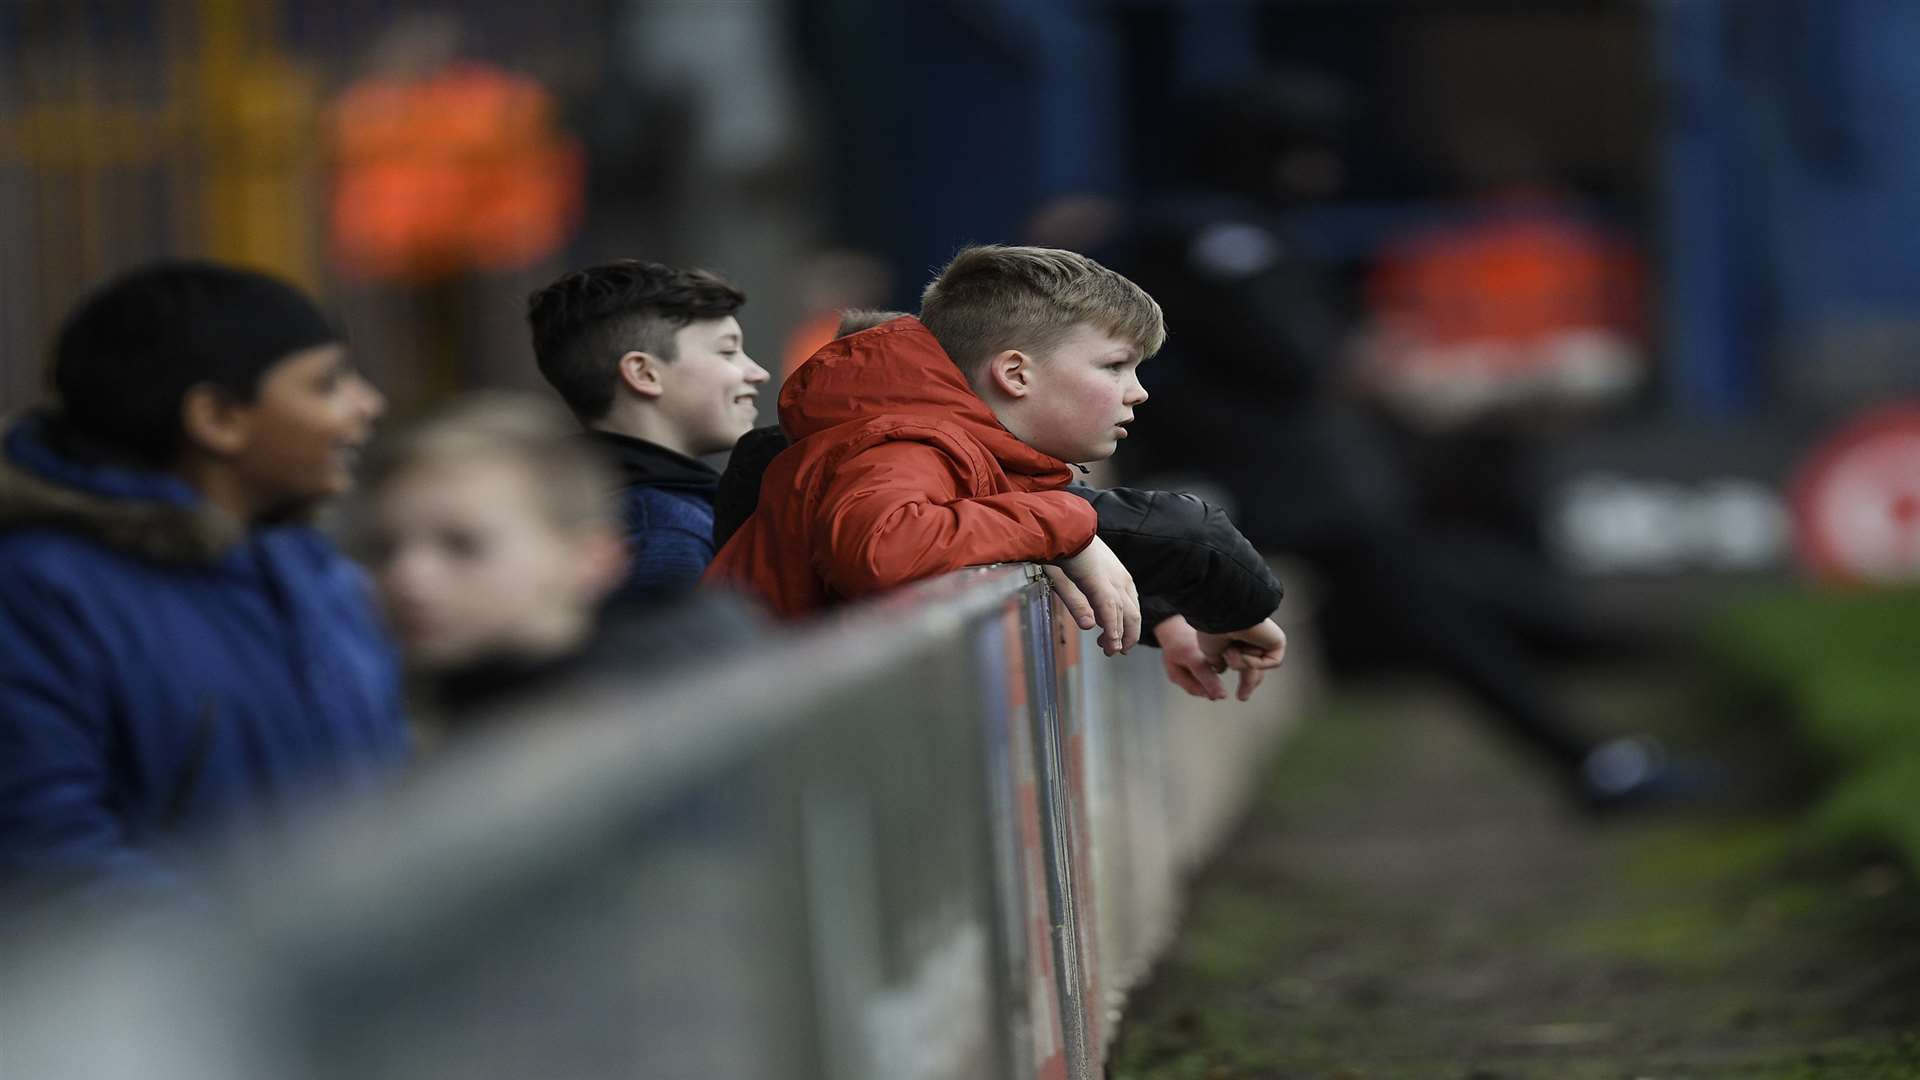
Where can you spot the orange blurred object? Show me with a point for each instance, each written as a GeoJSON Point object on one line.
{"type": "Point", "coordinates": [1520, 276]}
{"type": "Point", "coordinates": [461, 170]}
{"type": "Point", "coordinates": [807, 338]}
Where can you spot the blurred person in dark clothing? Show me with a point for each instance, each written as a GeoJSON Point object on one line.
{"type": "Point", "coordinates": [1258, 399]}
{"type": "Point", "coordinates": [652, 361]}
{"type": "Point", "coordinates": [180, 651]}
{"type": "Point", "coordinates": [497, 545]}
{"type": "Point", "coordinates": [1510, 318]}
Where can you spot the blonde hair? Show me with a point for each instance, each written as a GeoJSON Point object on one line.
{"type": "Point", "coordinates": [854, 320]}
{"type": "Point", "coordinates": [572, 479]}
{"type": "Point", "coordinates": [993, 297]}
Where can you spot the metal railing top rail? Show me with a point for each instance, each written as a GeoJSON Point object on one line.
{"type": "Point", "coordinates": [486, 811]}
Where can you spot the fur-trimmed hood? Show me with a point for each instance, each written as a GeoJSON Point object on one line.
{"type": "Point", "coordinates": [165, 671]}
{"type": "Point", "coordinates": [152, 515]}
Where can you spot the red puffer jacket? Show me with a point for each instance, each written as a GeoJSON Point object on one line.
{"type": "Point", "coordinates": [898, 471]}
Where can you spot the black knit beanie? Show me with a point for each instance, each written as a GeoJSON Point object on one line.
{"type": "Point", "coordinates": [127, 356]}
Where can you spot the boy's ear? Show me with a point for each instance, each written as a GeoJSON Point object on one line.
{"type": "Point", "coordinates": [640, 373]}
{"type": "Point", "coordinates": [214, 422]}
{"type": "Point", "coordinates": [1011, 372]}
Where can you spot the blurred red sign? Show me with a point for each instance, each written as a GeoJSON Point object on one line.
{"type": "Point", "coordinates": [1856, 503]}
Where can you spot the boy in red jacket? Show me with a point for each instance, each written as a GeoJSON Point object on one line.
{"type": "Point", "coordinates": [925, 445]}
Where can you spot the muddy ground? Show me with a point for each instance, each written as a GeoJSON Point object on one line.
{"type": "Point", "coordinates": [1411, 900]}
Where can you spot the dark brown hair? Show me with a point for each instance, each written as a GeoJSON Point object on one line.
{"type": "Point", "coordinates": [585, 322]}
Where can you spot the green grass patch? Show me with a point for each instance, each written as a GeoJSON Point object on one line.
{"type": "Point", "coordinates": [1798, 634]}
{"type": "Point", "coordinates": [1845, 665]}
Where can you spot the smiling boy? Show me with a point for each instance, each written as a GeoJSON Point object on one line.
{"type": "Point", "coordinates": [652, 362]}
{"type": "Point", "coordinates": [928, 444]}
{"type": "Point", "coordinates": [178, 650]}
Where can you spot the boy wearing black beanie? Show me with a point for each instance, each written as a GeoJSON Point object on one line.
{"type": "Point", "coordinates": [179, 651]}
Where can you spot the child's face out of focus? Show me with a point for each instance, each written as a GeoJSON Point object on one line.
{"type": "Point", "coordinates": [304, 429]}
{"type": "Point", "coordinates": [1078, 398]}
{"type": "Point", "coordinates": [471, 566]}
{"type": "Point", "coordinates": [711, 388]}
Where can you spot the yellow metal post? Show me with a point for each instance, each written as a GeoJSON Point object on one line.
{"type": "Point", "coordinates": [258, 115]}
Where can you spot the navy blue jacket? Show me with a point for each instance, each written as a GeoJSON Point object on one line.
{"type": "Point", "coordinates": [164, 670]}
{"type": "Point", "coordinates": [668, 502]}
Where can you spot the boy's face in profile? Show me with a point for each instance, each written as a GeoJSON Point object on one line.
{"type": "Point", "coordinates": [305, 427]}
{"type": "Point", "coordinates": [711, 387]}
{"type": "Point", "coordinates": [471, 566]}
{"type": "Point", "coordinates": [1081, 397]}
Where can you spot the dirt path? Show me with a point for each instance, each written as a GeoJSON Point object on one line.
{"type": "Point", "coordinates": [1410, 901]}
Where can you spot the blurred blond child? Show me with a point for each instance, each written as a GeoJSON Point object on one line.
{"type": "Point", "coordinates": [496, 541]}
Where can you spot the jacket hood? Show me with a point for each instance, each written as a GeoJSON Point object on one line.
{"type": "Point", "coordinates": [645, 464]}
{"type": "Point", "coordinates": [898, 371]}
{"type": "Point", "coordinates": [154, 515]}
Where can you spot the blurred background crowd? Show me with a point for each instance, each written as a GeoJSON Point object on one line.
{"type": "Point", "coordinates": [1614, 269]}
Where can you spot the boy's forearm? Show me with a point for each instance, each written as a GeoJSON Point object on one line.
{"type": "Point", "coordinates": [879, 546]}
{"type": "Point", "coordinates": [1187, 555]}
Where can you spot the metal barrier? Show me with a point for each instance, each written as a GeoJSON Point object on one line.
{"type": "Point", "coordinates": [936, 838]}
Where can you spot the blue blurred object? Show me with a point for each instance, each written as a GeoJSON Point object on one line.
{"type": "Point", "coordinates": [1791, 189]}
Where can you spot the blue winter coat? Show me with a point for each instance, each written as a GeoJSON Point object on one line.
{"type": "Point", "coordinates": [667, 499]}
{"type": "Point", "coordinates": [165, 671]}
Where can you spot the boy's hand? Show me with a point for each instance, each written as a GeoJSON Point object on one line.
{"type": "Point", "coordinates": [1252, 652]}
{"type": "Point", "coordinates": [1098, 591]}
{"type": "Point", "coordinates": [1187, 667]}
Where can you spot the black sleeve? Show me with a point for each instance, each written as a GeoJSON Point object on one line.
{"type": "Point", "coordinates": [1153, 612]}
{"type": "Point", "coordinates": [1186, 553]}
{"type": "Point", "coordinates": [740, 485]}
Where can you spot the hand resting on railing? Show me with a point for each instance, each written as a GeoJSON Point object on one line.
{"type": "Point", "coordinates": [1098, 590]}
